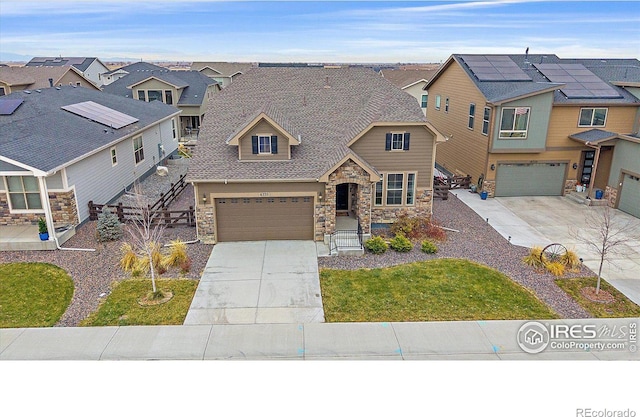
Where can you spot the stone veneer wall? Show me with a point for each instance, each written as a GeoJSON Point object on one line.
{"type": "Point", "coordinates": [205, 220]}
{"type": "Point", "coordinates": [490, 187]}
{"type": "Point", "coordinates": [422, 208]}
{"type": "Point", "coordinates": [63, 208]}
{"type": "Point", "coordinates": [352, 173]}
{"type": "Point", "coordinates": [611, 195]}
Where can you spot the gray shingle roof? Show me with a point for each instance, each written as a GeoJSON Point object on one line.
{"type": "Point", "coordinates": [226, 69]}
{"type": "Point", "coordinates": [138, 66]}
{"type": "Point", "coordinates": [403, 78]}
{"type": "Point", "coordinates": [81, 63]}
{"type": "Point", "coordinates": [593, 135]}
{"type": "Point", "coordinates": [326, 107]}
{"type": "Point", "coordinates": [42, 135]}
{"type": "Point", "coordinates": [195, 83]}
{"type": "Point", "coordinates": [609, 70]}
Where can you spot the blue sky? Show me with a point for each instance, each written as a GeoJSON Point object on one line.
{"type": "Point", "coordinates": [308, 31]}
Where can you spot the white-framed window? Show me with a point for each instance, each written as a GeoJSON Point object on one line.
{"type": "Point", "coordinates": [424, 100]}
{"type": "Point", "coordinates": [486, 116]}
{"type": "Point", "coordinates": [141, 95]}
{"type": "Point", "coordinates": [472, 115]}
{"type": "Point", "coordinates": [24, 193]}
{"type": "Point", "coordinates": [446, 105]}
{"type": "Point", "coordinates": [168, 97]}
{"type": "Point", "coordinates": [411, 189]}
{"type": "Point", "coordinates": [514, 122]}
{"type": "Point", "coordinates": [438, 102]}
{"type": "Point", "coordinates": [378, 197]}
{"type": "Point", "coordinates": [264, 144]}
{"type": "Point", "coordinates": [153, 95]}
{"type": "Point", "coordinates": [397, 141]}
{"type": "Point", "coordinates": [2, 92]}
{"type": "Point", "coordinates": [590, 117]}
{"type": "Point", "coordinates": [138, 149]}
{"type": "Point", "coordinates": [173, 128]}
{"type": "Point", "coordinates": [395, 183]}
{"type": "Point", "coordinates": [114, 156]}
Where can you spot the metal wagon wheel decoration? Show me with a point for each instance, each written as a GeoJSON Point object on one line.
{"type": "Point", "coordinates": [552, 253]}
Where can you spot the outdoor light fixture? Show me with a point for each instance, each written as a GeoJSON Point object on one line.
{"type": "Point", "coordinates": [575, 165]}
{"type": "Point", "coordinates": [493, 167]}
{"type": "Point", "coordinates": [204, 198]}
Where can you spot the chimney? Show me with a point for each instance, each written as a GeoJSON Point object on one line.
{"type": "Point", "coordinates": [50, 82]}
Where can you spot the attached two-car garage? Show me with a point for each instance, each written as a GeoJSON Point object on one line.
{"type": "Point", "coordinates": [630, 195]}
{"type": "Point", "coordinates": [530, 179]}
{"type": "Point", "coordinates": [264, 218]}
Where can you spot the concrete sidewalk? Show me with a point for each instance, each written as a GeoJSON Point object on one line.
{"type": "Point", "coordinates": [470, 340]}
{"type": "Point", "coordinates": [539, 221]}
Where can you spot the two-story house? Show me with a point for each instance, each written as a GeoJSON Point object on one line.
{"type": "Point", "coordinates": [14, 79]}
{"type": "Point", "coordinates": [62, 147]}
{"type": "Point", "coordinates": [223, 72]}
{"type": "Point", "coordinates": [188, 91]}
{"type": "Point", "coordinates": [284, 152]}
{"type": "Point", "coordinates": [90, 67]}
{"type": "Point", "coordinates": [540, 125]}
{"type": "Point", "coordinates": [411, 81]}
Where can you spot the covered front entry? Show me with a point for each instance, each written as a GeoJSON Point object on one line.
{"type": "Point", "coordinates": [530, 179]}
{"type": "Point", "coordinates": [630, 195]}
{"type": "Point", "coordinates": [272, 218]}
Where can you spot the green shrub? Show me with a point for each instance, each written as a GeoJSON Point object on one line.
{"type": "Point", "coordinates": [428, 247]}
{"type": "Point", "coordinates": [376, 245]}
{"type": "Point", "coordinates": [109, 226]}
{"type": "Point", "coordinates": [400, 244]}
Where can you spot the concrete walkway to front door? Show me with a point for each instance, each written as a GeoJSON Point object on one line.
{"type": "Point", "coordinates": [273, 281]}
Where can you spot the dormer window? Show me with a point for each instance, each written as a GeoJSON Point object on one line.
{"type": "Point", "coordinates": [264, 144]}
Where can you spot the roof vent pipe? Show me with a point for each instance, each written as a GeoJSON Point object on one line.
{"type": "Point", "coordinates": [50, 82]}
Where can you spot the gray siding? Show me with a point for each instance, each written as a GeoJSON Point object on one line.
{"type": "Point", "coordinates": [5, 166]}
{"type": "Point", "coordinates": [626, 155]}
{"type": "Point", "coordinates": [539, 116]}
{"type": "Point", "coordinates": [54, 182]}
{"type": "Point", "coordinates": [94, 178]}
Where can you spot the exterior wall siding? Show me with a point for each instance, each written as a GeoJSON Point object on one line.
{"type": "Point", "coordinates": [96, 179]}
{"type": "Point", "coordinates": [466, 150]}
{"type": "Point", "coordinates": [419, 157]}
{"type": "Point", "coordinates": [626, 156]}
{"type": "Point", "coordinates": [539, 115]}
{"type": "Point", "coordinates": [264, 128]}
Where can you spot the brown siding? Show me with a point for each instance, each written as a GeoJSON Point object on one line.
{"type": "Point", "coordinates": [73, 78]}
{"type": "Point", "coordinates": [419, 157]}
{"type": "Point", "coordinates": [264, 128]}
{"type": "Point", "coordinates": [466, 150]}
{"type": "Point", "coordinates": [564, 122]}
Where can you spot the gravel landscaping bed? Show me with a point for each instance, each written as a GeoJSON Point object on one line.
{"type": "Point", "coordinates": [93, 273]}
{"type": "Point", "coordinates": [478, 242]}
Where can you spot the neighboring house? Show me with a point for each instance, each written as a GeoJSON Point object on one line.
{"type": "Point", "coordinates": [63, 147]}
{"type": "Point", "coordinates": [188, 91]}
{"type": "Point", "coordinates": [14, 79]}
{"type": "Point", "coordinates": [114, 75]}
{"type": "Point", "coordinates": [412, 81]}
{"type": "Point", "coordinates": [223, 72]}
{"type": "Point", "coordinates": [285, 151]}
{"type": "Point", "coordinates": [540, 125]}
{"type": "Point", "coordinates": [90, 67]}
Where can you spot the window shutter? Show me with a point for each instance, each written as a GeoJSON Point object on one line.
{"type": "Point", "coordinates": [254, 144]}
{"type": "Point", "coordinates": [387, 145]}
{"type": "Point", "coordinates": [274, 145]}
{"type": "Point", "coordinates": [405, 144]}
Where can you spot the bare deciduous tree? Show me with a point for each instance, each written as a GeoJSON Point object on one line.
{"type": "Point", "coordinates": [145, 233]}
{"type": "Point", "coordinates": [612, 234]}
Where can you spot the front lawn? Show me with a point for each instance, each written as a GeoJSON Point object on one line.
{"type": "Point", "coordinates": [121, 307]}
{"type": "Point", "coordinates": [621, 307]}
{"type": "Point", "coordinates": [33, 294]}
{"type": "Point", "coordinates": [443, 289]}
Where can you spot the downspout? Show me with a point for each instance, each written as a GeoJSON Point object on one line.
{"type": "Point", "coordinates": [49, 217]}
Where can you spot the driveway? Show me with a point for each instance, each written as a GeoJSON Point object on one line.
{"type": "Point", "coordinates": [259, 282]}
{"type": "Point", "coordinates": [538, 221]}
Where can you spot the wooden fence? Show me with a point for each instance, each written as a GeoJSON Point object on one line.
{"type": "Point", "coordinates": [158, 210]}
{"type": "Point", "coordinates": [441, 186]}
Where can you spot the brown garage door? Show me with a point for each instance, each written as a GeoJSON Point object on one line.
{"type": "Point", "coordinates": [273, 218]}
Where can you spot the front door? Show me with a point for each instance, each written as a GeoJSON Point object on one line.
{"type": "Point", "coordinates": [587, 166]}
{"type": "Point", "coordinates": [342, 197]}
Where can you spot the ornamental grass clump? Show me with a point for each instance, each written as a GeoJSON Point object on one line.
{"type": "Point", "coordinates": [376, 245]}
{"type": "Point", "coordinates": [534, 257]}
{"type": "Point", "coordinates": [400, 244]}
{"type": "Point", "coordinates": [571, 260]}
{"type": "Point", "coordinates": [556, 268]}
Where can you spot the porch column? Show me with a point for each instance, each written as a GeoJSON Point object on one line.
{"type": "Point", "coordinates": [48, 215]}
{"type": "Point", "coordinates": [591, 195]}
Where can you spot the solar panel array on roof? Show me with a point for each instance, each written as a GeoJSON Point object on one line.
{"type": "Point", "coordinates": [9, 105]}
{"type": "Point", "coordinates": [494, 68]}
{"type": "Point", "coordinates": [101, 114]}
{"type": "Point", "coordinates": [580, 82]}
